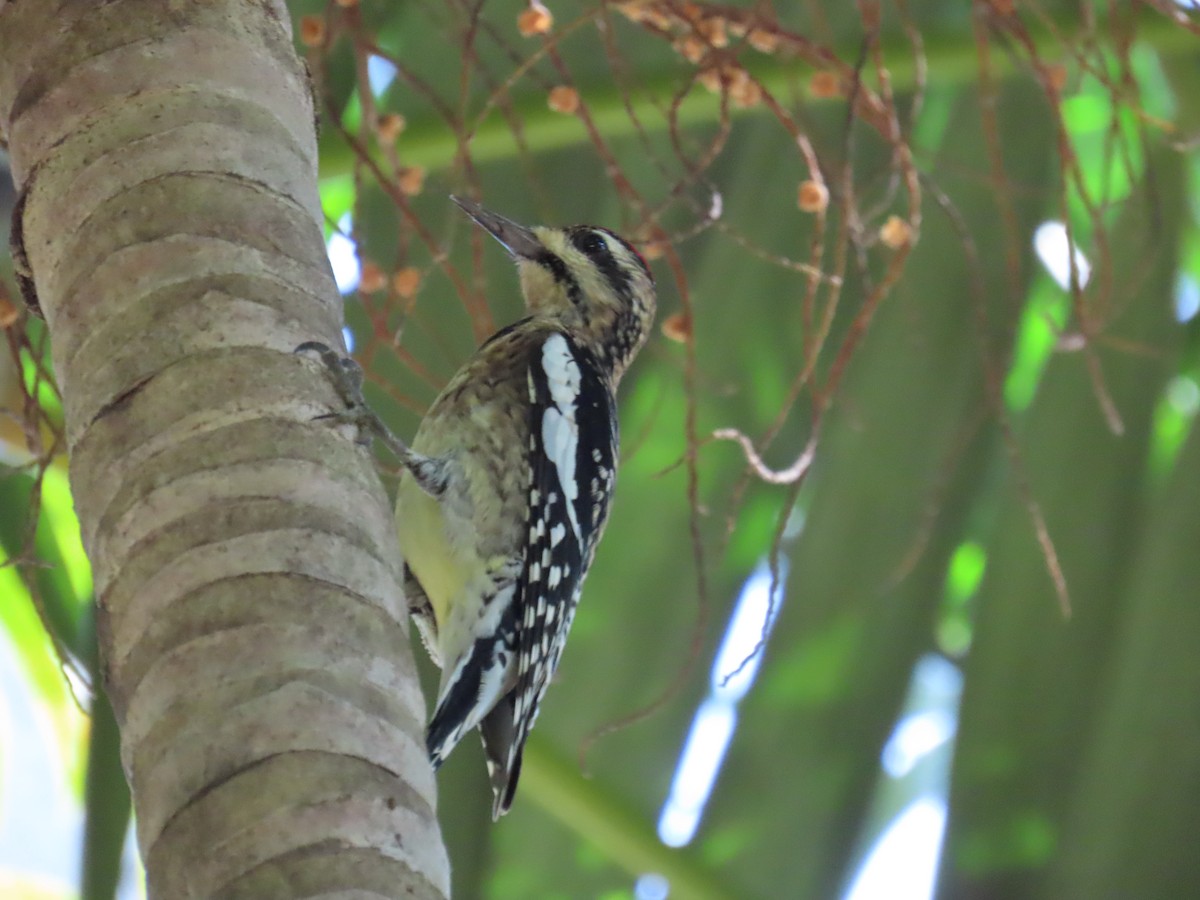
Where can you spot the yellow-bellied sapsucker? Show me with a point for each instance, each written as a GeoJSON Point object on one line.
{"type": "Point", "coordinates": [509, 480]}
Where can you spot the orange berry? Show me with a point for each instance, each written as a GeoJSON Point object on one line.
{"type": "Point", "coordinates": [564, 99]}
{"type": "Point", "coordinates": [712, 31]}
{"type": "Point", "coordinates": [763, 41]}
{"type": "Point", "coordinates": [658, 19]}
{"type": "Point", "coordinates": [312, 31]}
{"type": "Point", "coordinates": [389, 127]}
{"type": "Point", "coordinates": [710, 78]}
{"type": "Point", "coordinates": [411, 180]}
{"type": "Point", "coordinates": [825, 84]}
{"type": "Point", "coordinates": [534, 20]}
{"type": "Point", "coordinates": [645, 11]}
{"type": "Point", "coordinates": [8, 312]}
{"type": "Point", "coordinates": [406, 281]}
{"type": "Point", "coordinates": [895, 233]}
{"type": "Point", "coordinates": [691, 48]}
{"type": "Point", "coordinates": [677, 327]}
{"type": "Point", "coordinates": [812, 196]}
{"type": "Point", "coordinates": [744, 91]}
{"type": "Point", "coordinates": [371, 278]}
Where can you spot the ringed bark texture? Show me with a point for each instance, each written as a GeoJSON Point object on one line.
{"type": "Point", "coordinates": [253, 634]}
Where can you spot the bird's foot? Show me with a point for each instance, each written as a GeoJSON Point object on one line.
{"type": "Point", "coordinates": [347, 378]}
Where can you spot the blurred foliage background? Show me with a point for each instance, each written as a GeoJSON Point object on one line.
{"type": "Point", "coordinates": [922, 401]}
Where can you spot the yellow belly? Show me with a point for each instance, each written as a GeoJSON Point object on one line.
{"type": "Point", "coordinates": [421, 529]}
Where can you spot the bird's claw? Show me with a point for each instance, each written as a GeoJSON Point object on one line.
{"type": "Point", "coordinates": [347, 378]}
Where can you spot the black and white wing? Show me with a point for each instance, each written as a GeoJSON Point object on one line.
{"type": "Point", "coordinates": [573, 453]}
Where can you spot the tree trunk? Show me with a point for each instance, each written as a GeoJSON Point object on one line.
{"type": "Point", "coordinates": [253, 634]}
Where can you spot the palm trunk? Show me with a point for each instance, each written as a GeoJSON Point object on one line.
{"type": "Point", "coordinates": [253, 634]}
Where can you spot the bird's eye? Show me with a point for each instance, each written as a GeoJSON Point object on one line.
{"type": "Point", "coordinates": [594, 244]}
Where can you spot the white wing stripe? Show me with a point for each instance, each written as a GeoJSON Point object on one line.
{"type": "Point", "coordinates": [560, 430]}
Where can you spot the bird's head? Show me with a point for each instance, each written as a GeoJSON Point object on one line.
{"type": "Point", "coordinates": [589, 278]}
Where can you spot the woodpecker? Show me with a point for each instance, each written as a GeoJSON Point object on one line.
{"type": "Point", "coordinates": [507, 485]}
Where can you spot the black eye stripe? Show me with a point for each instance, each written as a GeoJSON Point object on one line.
{"type": "Point", "coordinates": [562, 275]}
{"type": "Point", "coordinates": [633, 251]}
{"type": "Point", "coordinates": [591, 243]}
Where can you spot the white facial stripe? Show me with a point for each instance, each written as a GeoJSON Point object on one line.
{"type": "Point", "coordinates": [560, 431]}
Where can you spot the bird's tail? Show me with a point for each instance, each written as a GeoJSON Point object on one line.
{"type": "Point", "coordinates": [503, 759]}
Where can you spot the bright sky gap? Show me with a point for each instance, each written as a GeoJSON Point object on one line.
{"type": "Point", "coordinates": [343, 258]}
{"type": "Point", "coordinates": [901, 861]}
{"type": "Point", "coordinates": [1054, 250]}
{"type": "Point", "coordinates": [733, 673]}
{"type": "Point", "coordinates": [380, 73]}
{"type": "Point", "coordinates": [1187, 298]}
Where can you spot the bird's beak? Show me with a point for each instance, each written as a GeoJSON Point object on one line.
{"type": "Point", "coordinates": [518, 240]}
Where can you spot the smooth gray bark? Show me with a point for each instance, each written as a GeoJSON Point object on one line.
{"type": "Point", "coordinates": [253, 633]}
